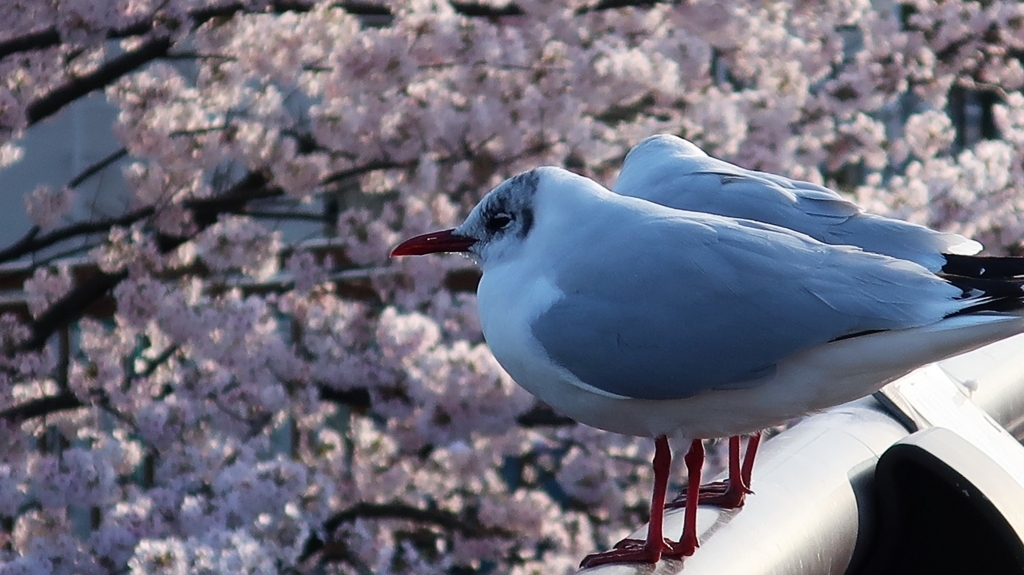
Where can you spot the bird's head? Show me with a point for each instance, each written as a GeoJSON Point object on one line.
{"type": "Point", "coordinates": [498, 226]}
{"type": "Point", "coordinates": [659, 146]}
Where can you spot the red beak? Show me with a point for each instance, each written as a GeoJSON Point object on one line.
{"type": "Point", "coordinates": [432, 243]}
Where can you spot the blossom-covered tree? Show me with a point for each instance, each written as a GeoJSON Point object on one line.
{"type": "Point", "coordinates": [185, 388]}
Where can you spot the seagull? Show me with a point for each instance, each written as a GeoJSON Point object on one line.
{"type": "Point", "coordinates": [674, 172]}
{"type": "Point", "coordinates": [644, 320]}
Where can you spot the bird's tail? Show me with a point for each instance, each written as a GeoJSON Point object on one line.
{"type": "Point", "coordinates": [992, 267]}
{"type": "Point", "coordinates": [988, 294]}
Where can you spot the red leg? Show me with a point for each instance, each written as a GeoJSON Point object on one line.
{"type": "Point", "coordinates": [712, 493]}
{"type": "Point", "coordinates": [748, 460]}
{"type": "Point", "coordinates": [649, 550]}
{"type": "Point", "coordinates": [728, 494]}
{"type": "Point", "coordinates": [688, 542]}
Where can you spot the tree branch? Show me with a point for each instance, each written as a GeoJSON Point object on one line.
{"type": "Point", "coordinates": [35, 40]}
{"type": "Point", "coordinates": [475, 10]}
{"type": "Point", "coordinates": [63, 255]}
{"type": "Point", "coordinates": [357, 398]}
{"type": "Point", "coordinates": [232, 201]}
{"type": "Point", "coordinates": [70, 308]}
{"type": "Point", "coordinates": [617, 4]}
{"type": "Point", "coordinates": [33, 242]}
{"type": "Point", "coordinates": [153, 364]}
{"type": "Point", "coordinates": [49, 37]}
{"type": "Point", "coordinates": [272, 215]}
{"type": "Point", "coordinates": [205, 213]}
{"type": "Point", "coordinates": [439, 517]}
{"type": "Point", "coordinates": [97, 167]}
{"type": "Point", "coordinates": [446, 520]}
{"type": "Point", "coordinates": [22, 246]}
{"type": "Point", "coordinates": [236, 199]}
{"type": "Point", "coordinates": [55, 100]}
{"type": "Point", "coordinates": [372, 166]}
{"type": "Point", "coordinates": [41, 407]}
{"type": "Point", "coordinates": [540, 415]}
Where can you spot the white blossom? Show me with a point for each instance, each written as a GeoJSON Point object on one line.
{"type": "Point", "coordinates": [249, 383]}
{"type": "Point", "coordinates": [46, 206]}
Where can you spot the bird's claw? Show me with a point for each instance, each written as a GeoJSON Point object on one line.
{"type": "Point", "coordinates": [682, 548]}
{"type": "Point", "coordinates": [639, 551]}
{"type": "Point", "coordinates": [719, 494]}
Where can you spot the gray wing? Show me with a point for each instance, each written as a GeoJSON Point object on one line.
{"type": "Point", "coordinates": [675, 173]}
{"type": "Point", "coordinates": [672, 305]}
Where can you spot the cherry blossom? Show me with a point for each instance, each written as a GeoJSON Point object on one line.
{"type": "Point", "coordinates": [46, 206]}
{"type": "Point", "coordinates": [226, 373]}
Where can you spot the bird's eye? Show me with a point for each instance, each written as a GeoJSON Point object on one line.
{"type": "Point", "coordinates": [498, 222]}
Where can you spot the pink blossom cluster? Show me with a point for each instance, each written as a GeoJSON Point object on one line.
{"type": "Point", "coordinates": [199, 388]}
{"type": "Point", "coordinates": [46, 206]}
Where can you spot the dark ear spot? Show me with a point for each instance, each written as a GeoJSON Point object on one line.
{"type": "Point", "coordinates": [527, 223]}
{"type": "Point", "coordinates": [526, 187]}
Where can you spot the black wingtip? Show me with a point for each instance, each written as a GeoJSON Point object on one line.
{"type": "Point", "coordinates": [992, 294]}
{"type": "Point", "coordinates": [991, 267]}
